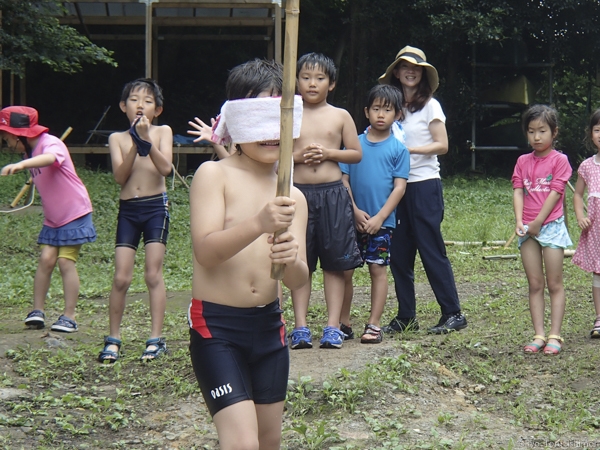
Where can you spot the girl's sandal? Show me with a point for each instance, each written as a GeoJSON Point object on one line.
{"type": "Point", "coordinates": [534, 347]}
{"type": "Point", "coordinates": [553, 349]}
{"type": "Point", "coordinates": [595, 333]}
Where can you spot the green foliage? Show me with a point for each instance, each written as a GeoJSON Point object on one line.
{"type": "Point", "coordinates": [31, 33]}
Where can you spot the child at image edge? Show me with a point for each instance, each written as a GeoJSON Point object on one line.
{"type": "Point", "coordinates": [539, 181]}
{"type": "Point", "coordinates": [587, 255]}
{"type": "Point", "coordinates": [141, 159]}
{"type": "Point", "coordinates": [330, 236]}
{"type": "Point", "coordinates": [377, 184]}
{"type": "Point", "coordinates": [238, 344]}
{"type": "Point", "coordinates": [66, 204]}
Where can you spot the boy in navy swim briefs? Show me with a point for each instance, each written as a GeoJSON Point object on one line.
{"type": "Point", "coordinates": [141, 159]}
{"type": "Point", "coordinates": [238, 342]}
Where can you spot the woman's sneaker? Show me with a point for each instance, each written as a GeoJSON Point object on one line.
{"type": "Point", "coordinates": [447, 324]}
{"type": "Point", "coordinates": [36, 319]}
{"type": "Point", "coordinates": [64, 324]}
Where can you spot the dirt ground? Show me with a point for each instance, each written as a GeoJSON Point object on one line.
{"type": "Point", "coordinates": [183, 424]}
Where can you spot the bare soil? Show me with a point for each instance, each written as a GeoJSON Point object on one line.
{"type": "Point", "coordinates": [445, 404]}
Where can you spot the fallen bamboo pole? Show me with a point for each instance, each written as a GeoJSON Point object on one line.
{"type": "Point", "coordinates": [474, 243]}
{"type": "Point", "coordinates": [286, 140]}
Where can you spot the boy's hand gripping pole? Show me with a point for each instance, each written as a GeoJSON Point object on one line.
{"type": "Point", "coordinates": [286, 140]}
{"type": "Point", "coordinates": [27, 184]}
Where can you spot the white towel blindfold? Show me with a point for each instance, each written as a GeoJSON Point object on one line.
{"type": "Point", "coordinates": [253, 120]}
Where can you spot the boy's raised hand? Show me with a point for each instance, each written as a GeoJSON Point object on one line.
{"type": "Point", "coordinates": [203, 130]}
{"type": "Point", "coordinates": [285, 249]}
{"type": "Point", "coordinates": [277, 214]}
{"type": "Point", "coordinates": [143, 128]}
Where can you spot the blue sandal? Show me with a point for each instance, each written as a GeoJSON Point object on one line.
{"type": "Point", "coordinates": [110, 356]}
{"type": "Point", "coordinates": [161, 348]}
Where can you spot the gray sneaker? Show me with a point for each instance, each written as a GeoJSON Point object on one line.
{"type": "Point", "coordinates": [64, 324]}
{"type": "Point", "coordinates": [35, 319]}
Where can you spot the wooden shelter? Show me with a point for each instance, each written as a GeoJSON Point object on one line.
{"type": "Point", "coordinates": [99, 19]}
{"type": "Point", "coordinates": [161, 20]}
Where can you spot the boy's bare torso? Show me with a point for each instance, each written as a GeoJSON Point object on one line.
{"type": "Point", "coordinates": [144, 180]}
{"type": "Point", "coordinates": [244, 279]}
{"type": "Point", "coordinates": [322, 125]}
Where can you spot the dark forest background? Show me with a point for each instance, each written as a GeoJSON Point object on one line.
{"type": "Point", "coordinates": [553, 43]}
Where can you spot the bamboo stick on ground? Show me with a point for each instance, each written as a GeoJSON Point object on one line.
{"type": "Point", "coordinates": [286, 140]}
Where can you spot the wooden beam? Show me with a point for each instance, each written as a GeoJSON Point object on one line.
{"type": "Point", "coordinates": [182, 37]}
{"type": "Point", "coordinates": [197, 3]}
{"type": "Point", "coordinates": [173, 21]}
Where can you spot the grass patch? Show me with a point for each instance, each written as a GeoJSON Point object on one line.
{"type": "Point", "coordinates": [473, 389]}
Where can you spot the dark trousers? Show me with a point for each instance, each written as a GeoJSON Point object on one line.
{"type": "Point", "coordinates": [419, 216]}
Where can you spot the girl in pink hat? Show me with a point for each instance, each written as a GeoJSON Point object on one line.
{"type": "Point", "coordinates": [66, 204]}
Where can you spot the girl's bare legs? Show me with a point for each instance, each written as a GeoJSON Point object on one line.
{"type": "Point", "coordinates": [43, 275]}
{"type": "Point", "coordinates": [249, 426]}
{"type": "Point", "coordinates": [553, 261]}
{"type": "Point", "coordinates": [531, 255]}
{"type": "Point", "coordinates": [70, 279]}
{"type": "Point", "coordinates": [348, 294]}
{"type": "Point", "coordinates": [596, 297]}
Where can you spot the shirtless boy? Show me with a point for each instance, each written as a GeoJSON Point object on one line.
{"type": "Point", "coordinates": [330, 236]}
{"type": "Point", "coordinates": [237, 336]}
{"type": "Point", "coordinates": [141, 159]}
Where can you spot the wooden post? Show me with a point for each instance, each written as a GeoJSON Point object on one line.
{"type": "Point", "coordinates": [278, 33]}
{"type": "Point", "coordinates": [286, 140]}
{"type": "Point", "coordinates": [148, 37]}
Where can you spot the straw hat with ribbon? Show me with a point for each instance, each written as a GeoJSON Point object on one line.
{"type": "Point", "coordinates": [415, 56]}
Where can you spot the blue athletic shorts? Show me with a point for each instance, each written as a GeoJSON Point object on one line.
{"type": "Point", "coordinates": [375, 248]}
{"type": "Point", "coordinates": [238, 353]}
{"type": "Point", "coordinates": [330, 232]}
{"type": "Point", "coordinates": [148, 215]}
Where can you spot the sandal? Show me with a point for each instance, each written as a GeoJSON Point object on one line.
{"type": "Point", "coordinates": [534, 347]}
{"type": "Point", "coordinates": [110, 356]}
{"type": "Point", "coordinates": [371, 335]}
{"type": "Point", "coordinates": [553, 349]}
{"type": "Point", "coordinates": [595, 333]}
{"type": "Point", "coordinates": [160, 345]}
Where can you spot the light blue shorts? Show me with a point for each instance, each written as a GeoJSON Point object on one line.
{"type": "Point", "coordinates": [554, 235]}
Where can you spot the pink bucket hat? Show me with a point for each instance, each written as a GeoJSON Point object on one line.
{"type": "Point", "coordinates": [21, 121]}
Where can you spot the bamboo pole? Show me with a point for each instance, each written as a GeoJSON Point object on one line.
{"type": "Point", "coordinates": [286, 140]}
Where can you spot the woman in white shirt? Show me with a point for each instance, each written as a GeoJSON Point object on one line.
{"type": "Point", "coordinates": [421, 211]}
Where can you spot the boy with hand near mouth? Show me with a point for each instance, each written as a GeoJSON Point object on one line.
{"type": "Point", "coordinates": [141, 159]}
